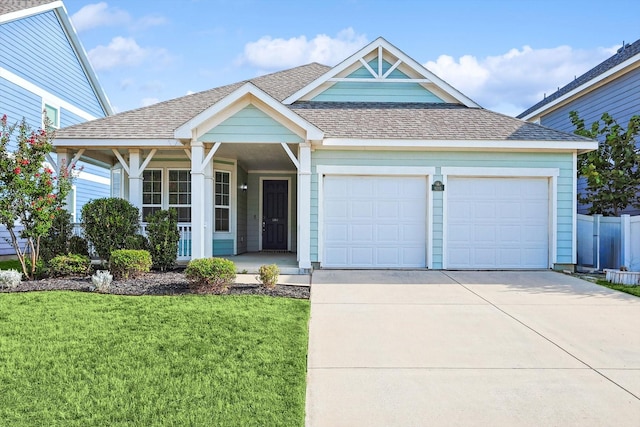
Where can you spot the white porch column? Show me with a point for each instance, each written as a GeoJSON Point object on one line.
{"type": "Point", "coordinates": [208, 212]}
{"type": "Point", "coordinates": [198, 231]}
{"type": "Point", "coordinates": [135, 179]}
{"type": "Point", "coordinates": [304, 206]}
{"type": "Point", "coordinates": [63, 162]}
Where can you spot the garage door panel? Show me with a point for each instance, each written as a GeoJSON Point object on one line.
{"type": "Point", "coordinates": [497, 223]}
{"type": "Point", "coordinates": [385, 222]}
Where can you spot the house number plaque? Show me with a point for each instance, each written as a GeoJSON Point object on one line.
{"type": "Point", "coordinates": [437, 186]}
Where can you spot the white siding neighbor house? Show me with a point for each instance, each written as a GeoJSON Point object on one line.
{"type": "Point", "coordinates": [43, 67]}
{"type": "Point", "coordinates": [373, 163]}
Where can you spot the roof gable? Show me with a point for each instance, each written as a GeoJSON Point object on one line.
{"type": "Point", "coordinates": [29, 19]}
{"type": "Point", "coordinates": [375, 66]}
{"type": "Point", "coordinates": [248, 94]}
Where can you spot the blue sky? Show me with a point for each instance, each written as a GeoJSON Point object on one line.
{"type": "Point", "coordinates": [504, 54]}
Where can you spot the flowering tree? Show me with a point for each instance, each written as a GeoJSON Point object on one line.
{"type": "Point", "coordinates": [30, 193]}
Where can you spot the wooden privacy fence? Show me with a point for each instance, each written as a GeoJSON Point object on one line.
{"type": "Point", "coordinates": [609, 242]}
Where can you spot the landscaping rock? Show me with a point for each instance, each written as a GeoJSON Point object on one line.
{"type": "Point", "coordinates": [154, 283]}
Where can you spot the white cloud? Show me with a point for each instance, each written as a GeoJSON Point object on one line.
{"type": "Point", "coordinates": [98, 15]}
{"type": "Point", "coordinates": [124, 52]}
{"type": "Point", "coordinates": [519, 78]}
{"type": "Point", "coordinates": [149, 21]}
{"type": "Point", "coordinates": [145, 102]}
{"type": "Point", "coordinates": [270, 53]}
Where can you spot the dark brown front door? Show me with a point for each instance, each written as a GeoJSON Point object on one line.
{"type": "Point", "coordinates": [275, 194]}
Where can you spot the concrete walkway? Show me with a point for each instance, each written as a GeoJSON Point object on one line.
{"type": "Point", "coordinates": [428, 348]}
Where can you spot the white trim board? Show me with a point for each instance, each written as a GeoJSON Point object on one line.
{"type": "Point", "coordinates": [586, 87]}
{"type": "Point", "coordinates": [477, 145]}
{"type": "Point", "coordinates": [24, 13]}
{"type": "Point", "coordinates": [48, 97]}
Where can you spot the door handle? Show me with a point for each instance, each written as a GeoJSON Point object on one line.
{"type": "Point", "coordinates": [264, 226]}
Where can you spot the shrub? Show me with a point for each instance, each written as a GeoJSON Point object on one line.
{"type": "Point", "coordinates": [268, 275]}
{"type": "Point", "coordinates": [102, 280]}
{"type": "Point", "coordinates": [107, 222]}
{"type": "Point", "coordinates": [162, 230]}
{"type": "Point", "coordinates": [10, 278]}
{"type": "Point", "coordinates": [69, 265]}
{"type": "Point", "coordinates": [129, 262]}
{"type": "Point", "coordinates": [210, 274]}
{"type": "Point", "coordinates": [137, 242]}
{"type": "Point", "coordinates": [41, 271]}
{"type": "Point", "coordinates": [78, 245]}
{"type": "Point", "coordinates": [56, 241]}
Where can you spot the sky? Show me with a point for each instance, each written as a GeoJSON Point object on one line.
{"type": "Point", "coordinates": [504, 54]}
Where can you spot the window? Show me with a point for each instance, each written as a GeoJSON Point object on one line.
{"type": "Point", "coordinates": [222, 200]}
{"type": "Point", "coordinates": [151, 192]}
{"type": "Point", "coordinates": [53, 114]}
{"type": "Point", "coordinates": [180, 193]}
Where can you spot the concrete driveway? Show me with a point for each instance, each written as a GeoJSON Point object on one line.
{"type": "Point", "coordinates": [429, 348]}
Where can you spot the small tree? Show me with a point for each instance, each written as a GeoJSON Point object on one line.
{"type": "Point", "coordinates": [107, 223]}
{"type": "Point", "coordinates": [30, 193]}
{"type": "Point", "coordinates": [613, 170]}
{"type": "Point", "coordinates": [162, 230]}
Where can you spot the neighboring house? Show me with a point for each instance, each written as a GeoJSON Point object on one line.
{"type": "Point", "coordinates": [43, 67]}
{"type": "Point", "coordinates": [612, 86]}
{"type": "Point", "coordinates": [374, 163]}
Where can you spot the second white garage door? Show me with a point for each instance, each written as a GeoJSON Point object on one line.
{"type": "Point", "coordinates": [374, 221]}
{"type": "Point", "coordinates": [497, 223]}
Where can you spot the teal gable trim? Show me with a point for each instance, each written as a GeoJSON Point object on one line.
{"type": "Point", "coordinates": [38, 50]}
{"type": "Point", "coordinates": [376, 91]}
{"type": "Point", "coordinates": [222, 247]}
{"type": "Point", "coordinates": [250, 125]}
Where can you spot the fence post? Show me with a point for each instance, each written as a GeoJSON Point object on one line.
{"type": "Point", "coordinates": [596, 241]}
{"type": "Point", "coordinates": [625, 241]}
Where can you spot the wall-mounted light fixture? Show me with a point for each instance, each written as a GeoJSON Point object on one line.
{"type": "Point", "coordinates": [243, 187]}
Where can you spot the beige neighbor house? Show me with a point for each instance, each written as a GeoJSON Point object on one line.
{"type": "Point", "coordinates": [373, 163]}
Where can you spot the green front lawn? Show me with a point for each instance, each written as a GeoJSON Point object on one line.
{"type": "Point", "coordinates": [80, 359]}
{"type": "Point", "coordinates": [633, 290]}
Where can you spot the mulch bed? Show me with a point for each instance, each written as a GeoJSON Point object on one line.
{"type": "Point", "coordinates": [155, 283]}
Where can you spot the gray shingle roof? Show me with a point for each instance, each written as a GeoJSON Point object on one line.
{"type": "Point", "coordinates": [624, 53]}
{"type": "Point", "coordinates": [337, 119]}
{"type": "Point", "coordinates": [421, 121]}
{"type": "Point", "coordinates": [159, 121]}
{"type": "Point", "coordinates": [8, 6]}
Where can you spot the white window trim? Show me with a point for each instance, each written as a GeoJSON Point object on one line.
{"type": "Point", "coordinates": [216, 206]}
{"type": "Point", "coordinates": [427, 172]}
{"type": "Point", "coordinates": [551, 174]}
{"type": "Point", "coordinates": [233, 208]}
{"type": "Point", "coordinates": [162, 189]}
{"type": "Point", "coordinates": [52, 104]}
{"type": "Point", "coordinates": [165, 190]}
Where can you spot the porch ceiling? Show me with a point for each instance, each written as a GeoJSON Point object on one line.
{"type": "Point", "coordinates": [259, 156]}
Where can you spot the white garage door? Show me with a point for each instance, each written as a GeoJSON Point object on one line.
{"type": "Point", "coordinates": [497, 223]}
{"type": "Point", "coordinates": [375, 221]}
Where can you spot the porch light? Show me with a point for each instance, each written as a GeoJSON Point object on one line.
{"type": "Point", "coordinates": [243, 187]}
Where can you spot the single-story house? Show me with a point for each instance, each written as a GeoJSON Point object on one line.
{"type": "Point", "coordinates": [373, 163]}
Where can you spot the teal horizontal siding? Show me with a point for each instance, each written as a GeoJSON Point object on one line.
{"type": "Point", "coordinates": [250, 125]}
{"type": "Point", "coordinates": [376, 91]}
{"type": "Point", "coordinates": [222, 247]}
{"type": "Point", "coordinates": [42, 54]}
{"type": "Point", "coordinates": [562, 161]}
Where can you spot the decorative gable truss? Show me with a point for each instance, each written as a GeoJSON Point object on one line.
{"type": "Point", "coordinates": [380, 72]}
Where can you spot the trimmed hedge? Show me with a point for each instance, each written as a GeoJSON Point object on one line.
{"type": "Point", "coordinates": [210, 274]}
{"type": "Point", "coordinates": [69, 265]}
{"type": "Point", "coordinates": [127, 263]}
